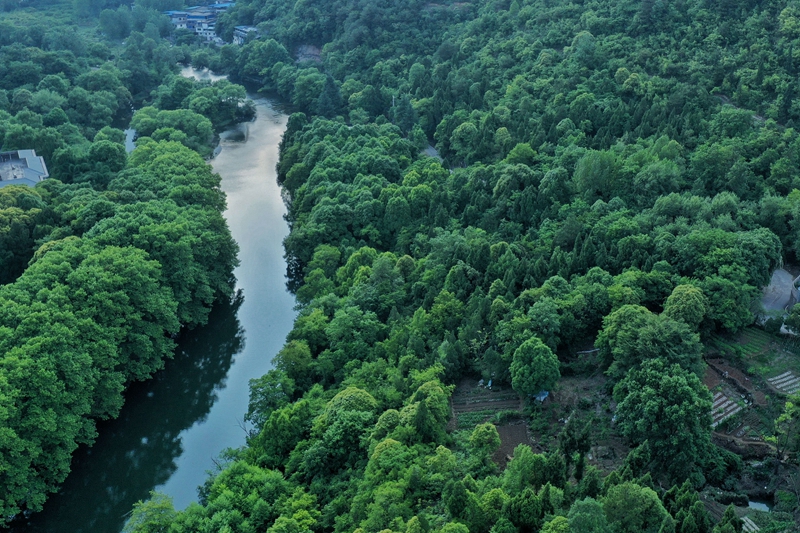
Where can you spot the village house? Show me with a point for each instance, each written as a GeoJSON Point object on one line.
{"type": "Point", "coordinates": [240, 34]}
{"type": "Point", "coordinates": [202, 20]}
{"type": "Point", "coordinates": [22, 167]}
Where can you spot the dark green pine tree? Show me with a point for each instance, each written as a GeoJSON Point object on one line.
{"type": "Point", "coordinates": [458, 500]}
{"type": "Point", "coordinates": [329, 103]}
{"type": "Point", "coordinates": [404, 115]}
{"type": "Point", "coordinates": [785, 103]}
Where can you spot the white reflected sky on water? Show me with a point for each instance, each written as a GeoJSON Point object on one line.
{"type": "Point", "coordinates": [255, 216]}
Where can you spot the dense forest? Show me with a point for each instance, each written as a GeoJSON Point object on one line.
{"type": "Point", "coordinates": [103, 264]}
{"type": "Point", "coordinates": [612, 186]}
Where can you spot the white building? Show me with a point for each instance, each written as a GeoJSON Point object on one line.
{"type": "Point", "coordinates": [22, 167]}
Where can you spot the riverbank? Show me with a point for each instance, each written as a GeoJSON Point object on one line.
{"type": "Point", "coordinates": [172, 427]}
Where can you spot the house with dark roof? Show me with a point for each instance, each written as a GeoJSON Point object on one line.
{"type": "Point", "coordinates": [202, 20]}
{"type": "Point", "coordinates": [240, 34]}
{"type": "Point", "coordinates": [22, 167]}
{"type": "Point", "coordinates": [178, 18]}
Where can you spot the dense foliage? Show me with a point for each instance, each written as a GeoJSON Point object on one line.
{"type": "Point", "coordinates": [619, 171]}
{"type": "Point", "coordinates": [103, 264]}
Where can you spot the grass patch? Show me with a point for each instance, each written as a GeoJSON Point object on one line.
{"type": "Point", "coordinates": [502, 417]}
{"type": "Point", "coordinates": [759, 352]}
{"type": "Point", "coordinates": [471, 419]}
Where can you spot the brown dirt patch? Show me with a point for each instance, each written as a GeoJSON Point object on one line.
{"type": "Point", "coordinates": [746, 449]}
{"type": "Point", "coordinates": [511, 436]}
{"type": "Point", "coordinates": [711, 378]}
{"type": "Point", "coordinates": [574, 391]}
{"type": "Point", "coordinates": [738, 378]}
{"type": "Point", "coordinates": [308, 52]}
{"type": "Point", "coordinates": [608, 453]}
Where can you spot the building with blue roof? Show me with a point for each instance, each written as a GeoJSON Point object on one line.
{"type": "Point", "coordinates": [202, 20]}
{"type": "Point", "coordinates": [22, 167]}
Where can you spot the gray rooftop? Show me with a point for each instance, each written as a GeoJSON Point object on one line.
{"type": "Point", "coordinates": [22, 167]}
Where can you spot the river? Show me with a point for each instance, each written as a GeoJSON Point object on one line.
{"type": "Point", "coordinates": [172, 427]}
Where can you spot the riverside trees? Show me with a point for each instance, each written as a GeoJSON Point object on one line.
{"type": "Point", "coordinates": [105, 262]}
{"type": "Point", "coordinates": [607, 173]}
{"type": "Point", "coordinates": [620, 169]}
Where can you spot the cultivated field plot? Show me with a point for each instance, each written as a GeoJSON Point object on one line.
{"type": "Point", "coordinates": [749, 526]}
{"type": "Point", "coordinates": [723, 408]}
{"type": "Point", "coordinates": [750, 343]}
{"type": "Point", "coordinates": [511, 435]}
{"type": "Point", "coordinates": [770, 363]}
{"type": "Point", "coordinates": [787, 382]}
{"type": "Point", "coordinates": [473, 404]}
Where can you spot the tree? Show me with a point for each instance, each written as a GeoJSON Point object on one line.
{"type": "Point", "coordinates": [730, 522]}
{"type": "Point", "coordinates": [404, 115]}
{"type": "Point", "coordinates": [534, 368]}
{"type": "Point", "coordinates": [329, 103]}
{"type": "Point", "coordinates": [559, 524]}
{"type": "Point", "coordinates": [458, 500]}
{"type": "Point", "coordinates": [631, 508]}
{"type": "Point", "coordinates": [295, 360]}
{"type": "Point", "coordinates": [268, 393]}
{"type": "Point", "coordinates": [687, 303]}
{"type": "Point", "coordinates": [575, 438]}
{"type": "Point", "coordinates": [522, 153]}
{"type": "Point", "coordinates": [526, 468]}
{"type": "Point", "coordinates": [484, 440]}
{"type": "Point", "coordinates": [596, 175]}
{"type": "Point", "coordinates": [308, 86]}
{"type": "Point", "coordinates": [152, 516]}
{"type": "Point", "coordinates": [525, 511]}
{"type": "Point", "coordinates": [632, 335]}
{"type": "Point", "coordinates": [588, 516]}
{"type": "Point", "coordinates": [793, 320]}
{"type": "Point", "coordinates": [463, 141]}
{"type": "Point", "coordinates": [787, 429]}
{"type": "Point", "coordinates": [669, 407]}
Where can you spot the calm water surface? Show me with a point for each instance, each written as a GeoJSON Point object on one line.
{"type": "Point", "coordinates": [172, 428]}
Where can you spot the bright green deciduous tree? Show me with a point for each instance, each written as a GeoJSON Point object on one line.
{"type": "Point", "coordinates": [632, 335]}
{"type": "Point", "coordinates": [152, 516]}
{"type": "Point", "coordinates": [670, 407]}
{"type": "Point", "coordinates": [534, 367]}
{"type": "Point", "coordinates": [631, 508]}
{"type": "Point", "coordinates": [587, 516]}
{"type": "Point", "coordinates": [687, 303]}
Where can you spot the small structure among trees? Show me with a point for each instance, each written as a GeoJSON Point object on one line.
{"type": "Point", "coordinates": [22, 167]}
{"type": "Point", "coordinates": [240, 34]}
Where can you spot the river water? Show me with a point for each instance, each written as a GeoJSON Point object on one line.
{"type": "Point", "coordinates": [172, 427]}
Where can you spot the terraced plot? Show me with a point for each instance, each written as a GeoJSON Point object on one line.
{"type": "Point", "coordinates": [722, 408]}
{"type": "Point", "coordinates": [749, 526]}
{"type": "Point", "coordinates": [486, 402]}
{"type": "Point", "coordinates": [751, 343]}
{"type": "Point", "coordinates": [787, 383]}
{"type": "Point", "coordinates": [472, 404]}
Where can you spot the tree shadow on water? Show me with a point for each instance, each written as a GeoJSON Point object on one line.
{"type": "Point", "coordinates": [136, 452]}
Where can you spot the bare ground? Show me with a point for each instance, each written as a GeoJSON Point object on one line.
{"type": "Point", "coordinates": [511, 436]}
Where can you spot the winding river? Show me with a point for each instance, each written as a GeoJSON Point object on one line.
{"type": "Point", "coordinates": [172, 427]}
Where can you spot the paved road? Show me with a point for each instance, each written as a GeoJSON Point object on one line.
{"type": "Point", "coordinates": [779, 292]}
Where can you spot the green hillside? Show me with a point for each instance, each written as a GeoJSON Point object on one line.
{"type": "Point", "coordinates": [612, 174]}
{"type": "Point", "coordinates": [584, 198]}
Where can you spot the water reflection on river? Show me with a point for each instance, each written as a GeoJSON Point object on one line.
{"type": "Point", "coordinates": [137, 451]}
{"type": "Point", "coordinates": [246, 162]}
{"type": "Point", "coordinates": [172, 427]}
